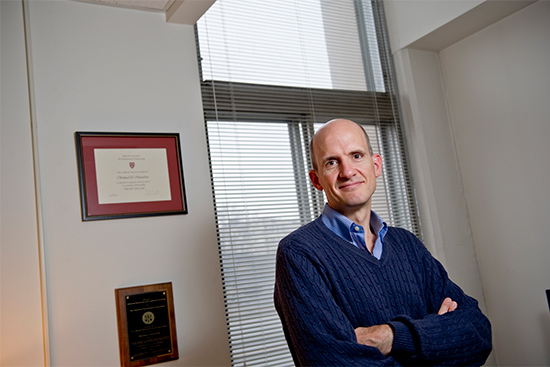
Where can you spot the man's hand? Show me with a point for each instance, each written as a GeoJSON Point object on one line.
{"type": "Point", "coordinates": [378, 336]}
{"type": "Point", "coordinates": [448, 305]}
{"type": "Point", "coordinates": [381, 336]}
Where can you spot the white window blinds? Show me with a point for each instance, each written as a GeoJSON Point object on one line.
{"type": "Point", "coordinates": [272, 72]}
{"type": "Point", "coordinates": [307, 43]}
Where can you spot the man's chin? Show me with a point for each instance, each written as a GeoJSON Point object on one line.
{"type": "Point", "coordinates": [350, 205]}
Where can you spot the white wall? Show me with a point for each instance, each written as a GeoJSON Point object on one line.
{"type": "Point", "coordinates": [498, 87]}
{"type": "Point", "coordinates": [476, 113]}
{"type": "Point", "coordinates": [99, 68]}
{"type": "Point", "coordinates": [21, 339]}
{"type": "Point", "coordinates": [411, 20]}
{"type": "Point", "coordinates": [443, 210]}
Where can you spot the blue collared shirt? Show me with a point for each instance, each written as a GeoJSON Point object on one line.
{"type": "Point", "coordinates": [354, 233]}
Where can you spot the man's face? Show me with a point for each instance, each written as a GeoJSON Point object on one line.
{"type": "Point", "coordinates": [345, 169]}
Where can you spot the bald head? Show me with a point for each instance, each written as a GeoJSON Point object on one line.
{"type": "Point", "coordinates": [334, 127]}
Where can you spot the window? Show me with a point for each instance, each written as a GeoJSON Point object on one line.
{"type": "Point", "coordinates": [272, 72]}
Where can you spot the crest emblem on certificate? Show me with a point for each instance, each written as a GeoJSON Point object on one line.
{"type": "Point", "coordinates": [132, 164]}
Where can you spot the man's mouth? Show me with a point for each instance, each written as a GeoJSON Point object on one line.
{"type": "Point", "coordinates": [350, 185]}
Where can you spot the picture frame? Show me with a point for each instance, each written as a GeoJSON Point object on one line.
{"type": "Point", "coordinates": [124, 175]}
{"type": "Point", "coordinates": [146, 324]}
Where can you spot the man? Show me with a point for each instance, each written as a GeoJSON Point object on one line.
{"type": "Point", "coordinates": [351, 291]}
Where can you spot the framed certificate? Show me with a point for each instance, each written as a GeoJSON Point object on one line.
{"type": "Point", "coordinates": [146, 325]}
{"type": "Point", "coordinates": [129, 175]}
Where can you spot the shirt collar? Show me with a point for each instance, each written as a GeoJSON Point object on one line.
{"type": "Point", "coordinates": [340, 224]}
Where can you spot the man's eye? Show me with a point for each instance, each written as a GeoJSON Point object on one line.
{"type": "Point", "coordinates": [357, 155]}
{"type": "Point", "coordinates": [330, 163]}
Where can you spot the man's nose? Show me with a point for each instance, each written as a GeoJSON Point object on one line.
{"type": "Point", "coordinates": [347, 169]}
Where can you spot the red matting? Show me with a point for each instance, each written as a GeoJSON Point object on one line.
{"type": "Point", "coordinates": [86, 142]}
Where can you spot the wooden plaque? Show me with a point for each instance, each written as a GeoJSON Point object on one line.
{"type": "Point", "coordinates": [146, 325]}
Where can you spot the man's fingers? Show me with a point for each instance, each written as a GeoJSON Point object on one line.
{"type": "Point", "coordinates": [448, 305]}
{"type": "Point", "coordinates": [378, 336]}
{"type": "Point", "coordinates": [453, 306]}
{"type": "Point", "coordinates": [444, 306]}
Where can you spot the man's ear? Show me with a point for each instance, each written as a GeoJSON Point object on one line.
{"type": "Point", "coordinates": [377, 159]}
{"type": "Point", "coordinates": [315, 180]}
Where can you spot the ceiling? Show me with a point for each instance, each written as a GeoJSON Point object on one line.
{"type": "Point", "coordinates": [149, 5]}
{"type": "Point", "coordinates": [176, 11]}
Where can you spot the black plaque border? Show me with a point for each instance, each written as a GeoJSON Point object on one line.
{"type": "Point", "coordinates": [122, 320]}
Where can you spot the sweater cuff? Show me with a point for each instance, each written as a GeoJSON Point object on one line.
{"type": "Point", "coordinates": [402, 338]}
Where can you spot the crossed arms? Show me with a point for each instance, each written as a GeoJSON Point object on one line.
{"type": "Point", "coordinates": [381, 336]}
{"type": "Point", "coordinates": [337, 309]}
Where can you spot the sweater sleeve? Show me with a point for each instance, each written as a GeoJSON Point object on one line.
{"type": "Point", "coordinates": [318, 332]}
{"type": "Point", "coordinates": [460, 338]}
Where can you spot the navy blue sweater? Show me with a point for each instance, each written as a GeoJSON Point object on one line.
{"type": "Point", "coordinates": [326, 287]}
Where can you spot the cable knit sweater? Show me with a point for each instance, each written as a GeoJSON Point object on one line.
{"type": "Point", "coordinates": [326, 287]}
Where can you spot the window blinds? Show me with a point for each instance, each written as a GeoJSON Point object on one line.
{"type": "Point", "coordinates": [272, 72]}
{"type": "Point", "coordinates": [307, 43]}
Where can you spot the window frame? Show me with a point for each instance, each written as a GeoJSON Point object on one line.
{"type": "Point", "coordinates": [242, 102]}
